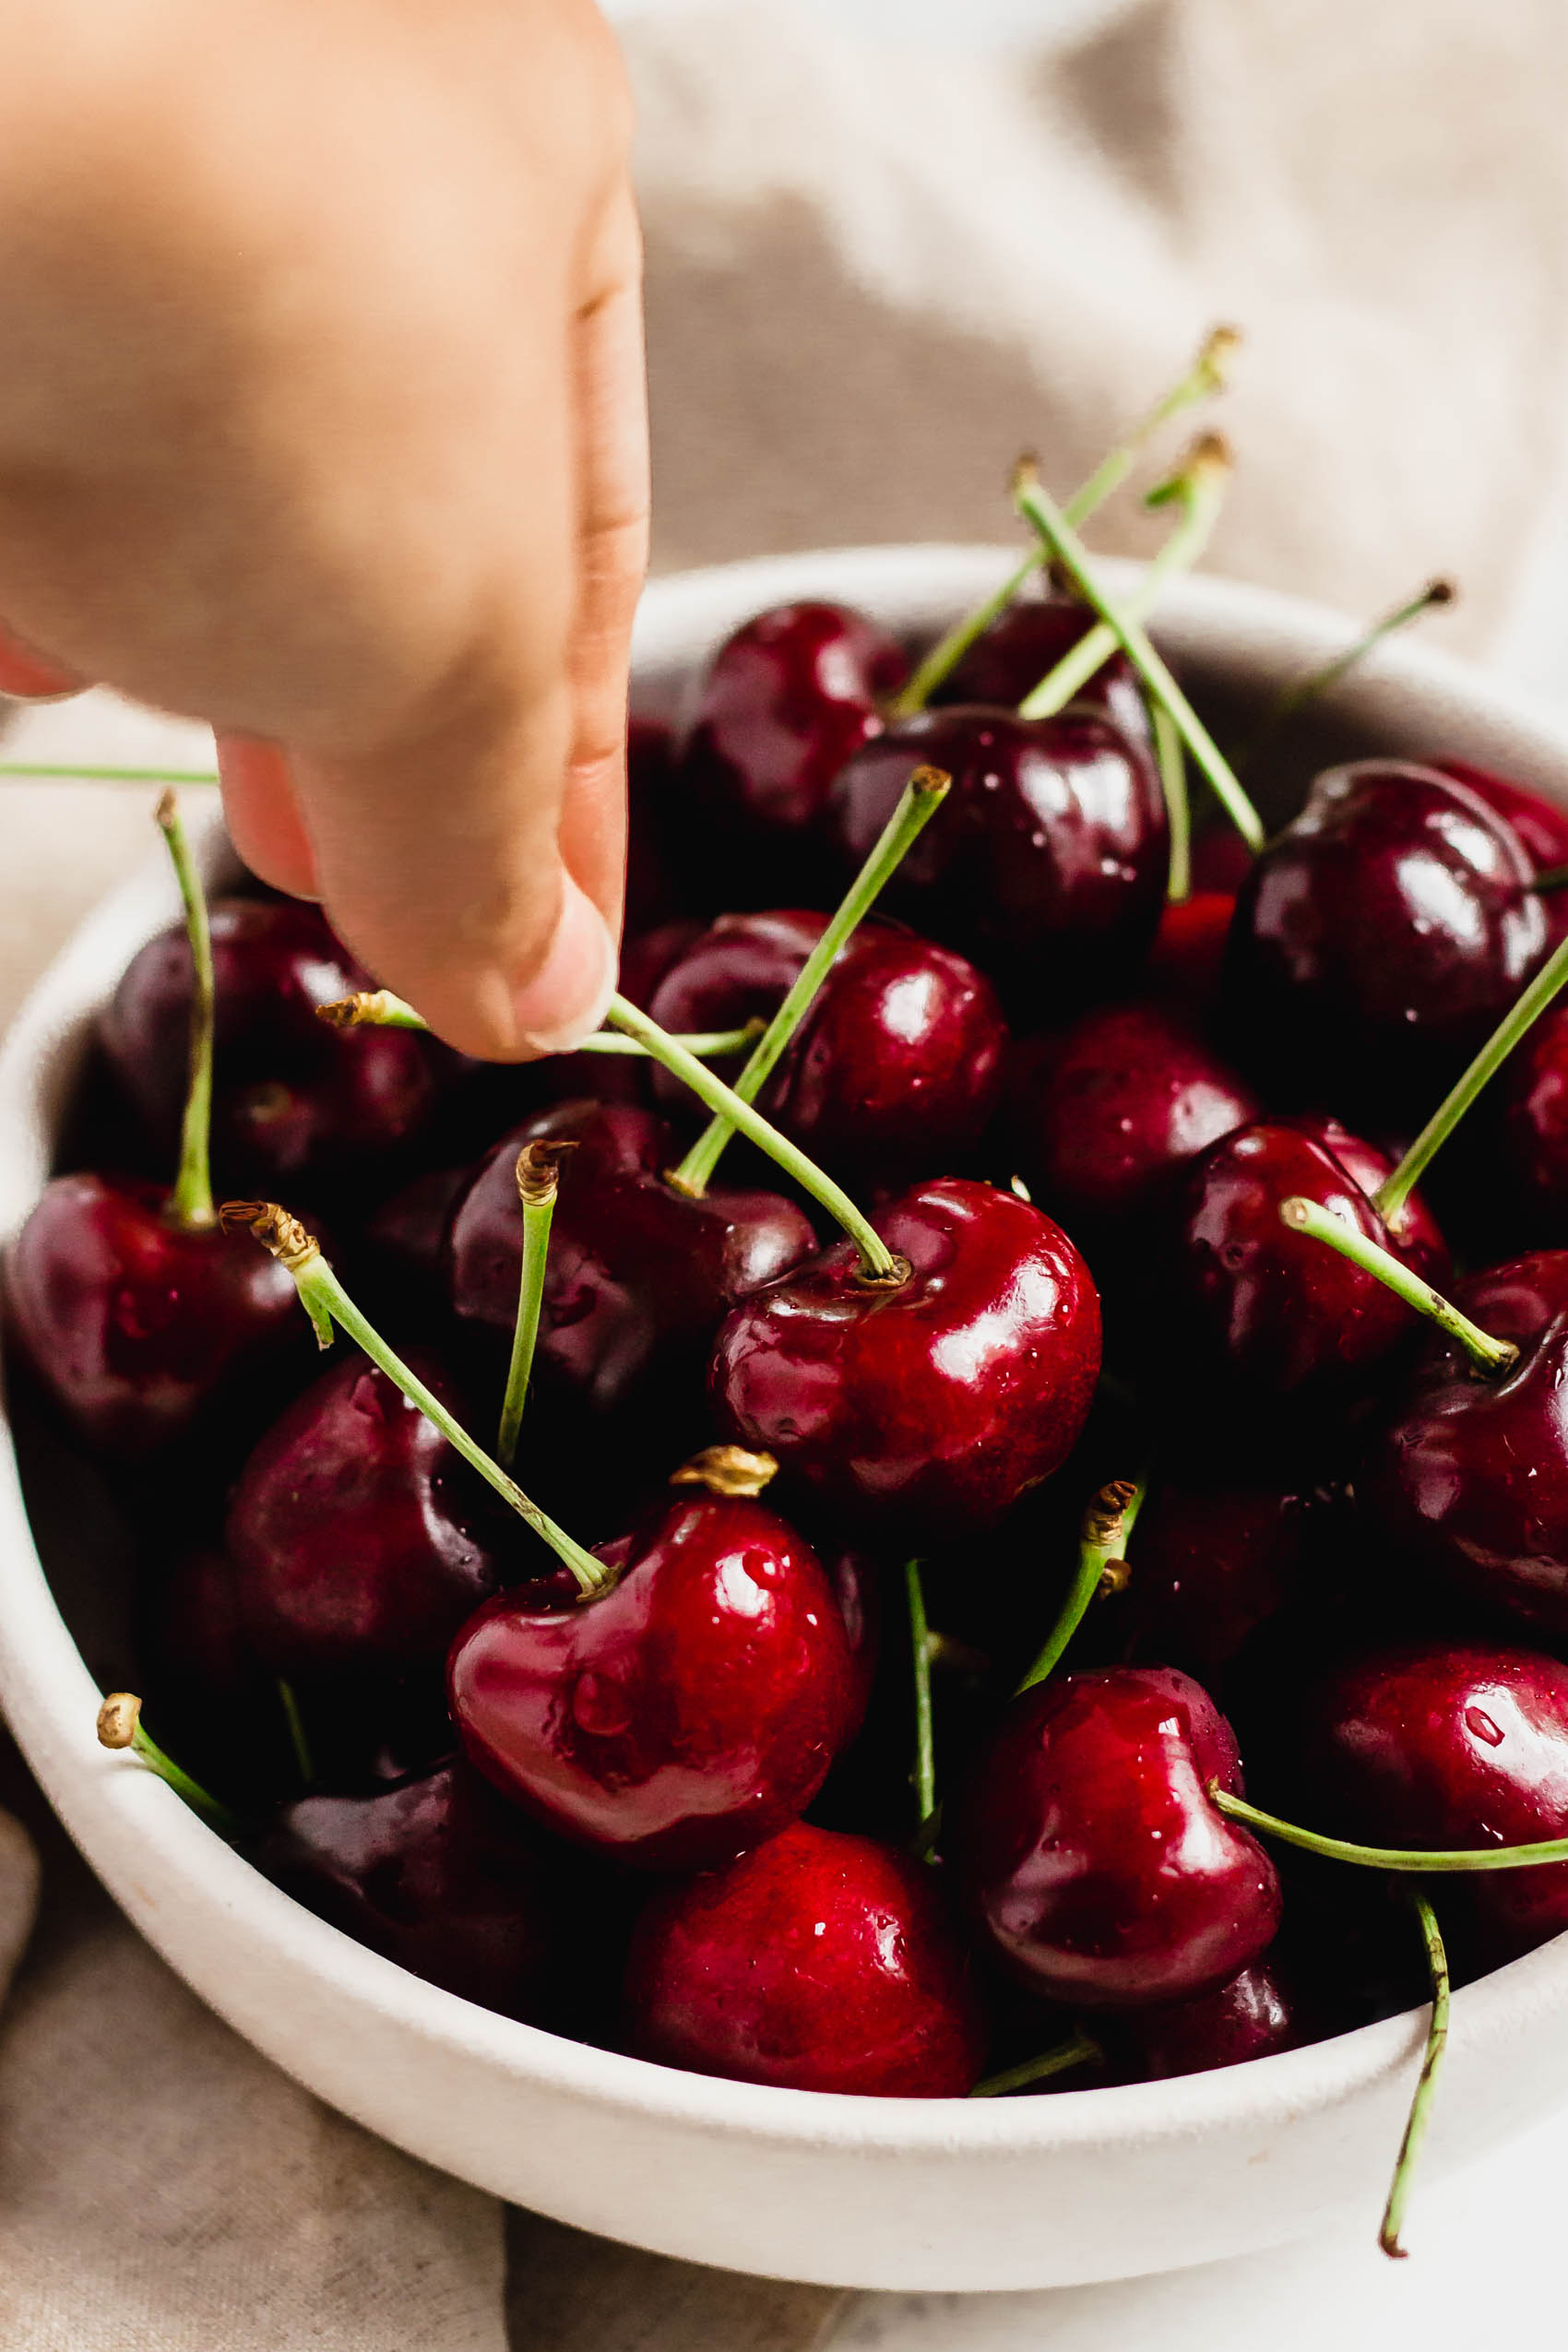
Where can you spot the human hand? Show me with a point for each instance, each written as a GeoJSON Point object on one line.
{"type": "Point", "coordinates": [321, 419]}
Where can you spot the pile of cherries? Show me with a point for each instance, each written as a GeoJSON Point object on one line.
{"type": "Point", "coordinates": [789, 1719]}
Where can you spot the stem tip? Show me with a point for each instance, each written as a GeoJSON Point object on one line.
{"type": "Point", "coordinates": [287, 1239]}
{"type": "Point", "coordinates": [538, 1168]}
{"type": "Point", "coordinates": [727, 1470]}
{"type": "Point", "coordinates": [118, 1720]}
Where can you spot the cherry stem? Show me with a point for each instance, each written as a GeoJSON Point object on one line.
{"type": "Point", "coordinates": [1073, 2052]}
{"type": "Point", "coordinates": [537, 1164]}
{"type": "Point", "coordinates": [1204, 377]}
{"type": "Point", "coordinates": [1102, 1547]}
{"type": "Point", "coordinates": [1198, 486]}
{"type": "Point", "coordinates": [377, 1008]}
{"type": "Point", "coordinates": [1036, 504]}
{"type": "Point", "coordinates": [1292, 700]}
{"type": "Point", "coordinates": [1550, 878]}
{"type": "Point", "coordinates": [326, 1302]}
{"type": "Point", "coordinates": [120, 1725]}
{"type": "Point", "coordinates": [1449, 1861]}
{"type": "Point", "coordinates": [1321, 1225]}
{"type": "Point", "coordinates": [920, 799]}
{"type": "Point", "coordinates": [1395, 1190]}
{"type": "Point", "coordinates": [1426, 2082]}
{"type": "Point", "coordinates": [68, 773]}
{"type": "Point", "coordinates": [925, 1742]}
{"type": "Point", "coordinates": [878, 1264]}
{"type": "Point", "coordinates": [295, 1723]}
{"type": "Point", "coordinates": [1172, 764]}
{"type": "Point", "coordinates": [190, 1202]}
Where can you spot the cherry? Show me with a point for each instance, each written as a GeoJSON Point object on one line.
{"type": "Point", "coordinates": [1254, 2015]}
{"type": "Point", "coordinates": [1467, 1475]}
{"type": "Point", "coordinates": [785, 702]}
{"type": "Point", "coordinates": [1187, 960]}
{"type": "Point", "coordinates": [1531, 1111]}
{"type": "Point", "coordinates": [857, 1579]}
{"type": "Point", "coordinates": [687, 1712]}
{"type": "Point", "coordinates": [1383, 935]}
{"type": "Point", "coordinates": [1093, 1859]}
{"type": "Point", "coordinates": [1050, 856]}
{"type": "Point", "coordinates": [1215, 1560]}
{"type": "Point", "coordinates": [1024, 644]}
{"type": "Point", "coordinates": [1540, 824]}
{"type": "Point", "coordinates": [639, 1277]}
{"type": "Point", "coordinates": [820, 1961]}
{"type": "Point", "coordinates": [931, 1404]}
{"type": "Point", "coordinates": [1105, 1112]}
{"type": "Point", "coordinates": [1280, 1315]}
{"type": "Point", "coordinates": [895, 1070]}
{"type": "Point", "coordinates": [351, 1531]}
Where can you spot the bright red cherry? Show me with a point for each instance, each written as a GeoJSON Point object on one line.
{"type": "Point", "coordinates": [929, 1405]}
{"type": "Point", "coordinates": [140, 1327]}
{"type": "Point", "coordinates": [639, 1275]}
{"type": "Point", "coordinates": [895, 1070]}
{"type": "Point", "coordinates": [1382, 936]}
{"type": "Point", "coordinates": [1024, 644]}
{"type": "Point", "coordinates": [350, 1531]}
{"type": "Point", "coordinates": [818, 1962]}
{"type": "Point", "coordinates": [686, 1713]}
{"type": "Point", "coordinates": [1102, 1874]}
{"type": "Point", "coordinates": [1047, 863]}
{"type": "Point", "coordinates": [1279, 1313]}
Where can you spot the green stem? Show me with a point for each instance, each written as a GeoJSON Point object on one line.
{"type": "Point", "coordinates": [877, 1261]}
{"type": "Point", "coordinates": [67, 772]}
{"type": "Point", "coordinates": [920, 799]}
{"type": "Point", "coordinates": [1036, 504]}
{"type": "Point", "coordinates": [1034, 2069]}
{"type": "Point", "coordinates": [328, 1302]}
{"type": "Point", "coordinates": [1550, 878]}
{"type": "Point", "coordinates": [1173, 762]}
{"type": "Point", "coordinates": [377, 1008]}
{"type": "Point", "coordinates": [296, 1727]}
{"type": "Point", "coordinates": [120, 1725]}
{"type": "Point", "coordinates": [925, 1744]}
{"type": "Point", "coordinates": [1107, 1524]}
{"type": "Point", "coordinates": [1395, 1190]}
{"type": "Point", "coordinates": [190, 1202]}
{"type": "Point", "coordinates": [949, 651]}
{"type": "Point", "coordinates": [1446, 1860]}
{"type": "Point", "coordinates": [1321, 1225]}
{"type": "Point", "coordinates": [1292, 700]}
{"type": "Point", "coordinates": [1426, 2082]}
{"type": "Point", "coordinates": [536, 1183]}
{"type": "Point", "coordinates": [1199, 487]}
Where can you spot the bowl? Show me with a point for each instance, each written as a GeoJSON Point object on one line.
{"type": "Point", "coordinates": [941, 2194]}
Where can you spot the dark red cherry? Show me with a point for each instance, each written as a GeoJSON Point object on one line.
{"type": "Point", "coordinates": [1105, 1113]}
{"type": "Point", "coordinates": [818, 1962]}
{"type": "Point", "coordinates": [1216, 1561]}
{"type": "Point", "coordinates": [784, 703]}
{"type": "Point", "coordinates": [350, 1530]}
{"type": "Point", "coordinates": [1541, 825]}
{"type": "Point", "coordinates": [1468, 1474]}
{"type": "Point", "coordinates": [1281, 1314]}
{"type": "Point", "coordinates": [929, 1407]}
{"type": "Point", "coordinates": [1093, 1859]}
{"type": "Point", "coordinates": [435, 1873]}
{"type": "Point", "coordinates": [1047, 861]}
{"type": "Point", "coordinates": [289, 1092]}
{"type": "Point", "coordinates": [1024, 644]}
{"type": "Point", "coordinates": [1186, 963]}
{"type": "Point", "coordinates": [895, 1069]}
{"type": "Point", "coordinates": [639, 1277]}
{"type": "Point", "coordinates": [1439, 1744]}
{"type": "Point", "coordinates": [1254, 2015]}
{"type": "Point", "coordinates": [857, 1579]}
{"type": "Point", "coordinates": [683, 1715]}
{"type": "Point", "coordinates": [652, 890]}
{"type": "Point", "coordinates": [1530, 1106]}
{"type": "Point", "coordinates": [138, 1327]}
{"type": "Point", "coordinates": [1380, 937]}
{"type": "Point", "coordinates": [1221, 860]}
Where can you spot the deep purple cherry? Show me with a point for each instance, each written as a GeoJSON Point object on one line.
{"type": "Point", "coordinates": [1024, 644]}
{"type": "Point", "coordinates": [1097, 1866]}
{"type": "Point", "coordinates": [684, 1714]}
{"type": "Point", "coordinates": [927, 1406]}
{"type": "Point", "coordinates": [818, 1962]}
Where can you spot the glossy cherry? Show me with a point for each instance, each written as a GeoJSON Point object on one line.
{"type": "Point", "coordinates": [927, 1407]}
{"type": "Point", "coordinates": [1047, 863]}
{"type": "Point", "coordinates": [1380, 937]}
{"type": "Point", "coordinates": [819, 1963]}
{"type": "Point", "coordinates": [686, 1713]}
{"type": "Point", "coordinates": [1257, 2013]}
{"type": "Point", "coordinates": [351, 1531]}
{"type": "Point", "coordinates": [1093, 1859]}
{"type": "Point", "coordinates": [1215, 1559]}
{"type": "Point", "coordinates": [1278, 1313]}
{"type": "Point", "coordinates": [785, 702]}
{"type": "Point", "coordinates": [1024, 644]}
{"type": "Point", "coordinates": [1467, 1473]}
{"type": "Point", "coordinates": [1186, 964]}
{"type": "Point", "coordinates": [639, 1275]}
{"type": "Point", "coordinates": [895, 1069]}
{"type": "Point", "coordinates": [1530, 1111]}
{"type": "Point", "coordinates": [1541, 825]}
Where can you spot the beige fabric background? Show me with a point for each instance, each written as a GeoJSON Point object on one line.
{"type": "Point", "coordinates": [874, 275]}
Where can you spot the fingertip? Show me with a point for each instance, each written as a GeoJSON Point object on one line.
{"type": "Point", "coordinates": [567, 996]}
{"type": "Point", "coordinates": [262, 809]}
{"type": "Point", "coordinates": [30, 676]}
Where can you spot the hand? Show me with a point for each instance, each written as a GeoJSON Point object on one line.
{"type": "Point", "coordinates": [321, 419]}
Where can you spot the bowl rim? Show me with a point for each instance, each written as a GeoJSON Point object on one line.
{"type": "Point", "coordinates": [51, 1700]}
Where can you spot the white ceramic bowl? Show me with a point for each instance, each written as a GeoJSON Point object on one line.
{"type": "Point", "coordinates": [868, 2193]}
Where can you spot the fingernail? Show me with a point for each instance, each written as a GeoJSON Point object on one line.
{"type": "Point", "coordinates": [568, 996]}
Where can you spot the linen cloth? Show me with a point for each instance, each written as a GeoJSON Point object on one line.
{"type": "Point", "coordinates": [875, 274]}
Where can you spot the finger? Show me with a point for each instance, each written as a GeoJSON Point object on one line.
{"type": "Point", "coordinates": [30, 676]}
{"type": "Point", "coordinates": [262, 811]}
